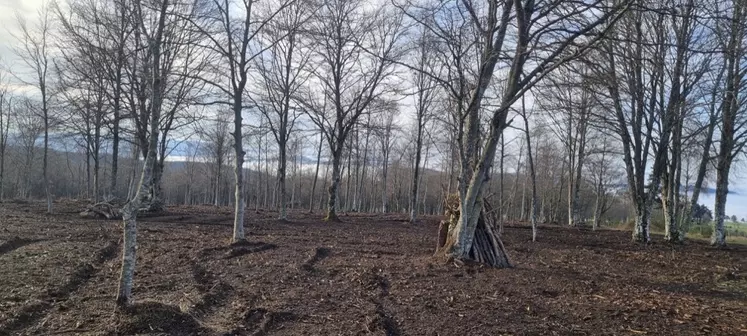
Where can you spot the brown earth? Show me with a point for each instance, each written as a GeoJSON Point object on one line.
{"type": "Point", "coordinates": [371, 274]}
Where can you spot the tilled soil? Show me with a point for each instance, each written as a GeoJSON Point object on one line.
{"type": "Point", "coordinates": [370, 274]}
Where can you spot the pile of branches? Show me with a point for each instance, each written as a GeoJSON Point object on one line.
{"type": "Point", "coordinates": [487, 247]}
{"type": "Point", "coordinates": [104, 210]}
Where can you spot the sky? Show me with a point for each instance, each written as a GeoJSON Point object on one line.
{"type": "Point", "coordinates": [9, 9]}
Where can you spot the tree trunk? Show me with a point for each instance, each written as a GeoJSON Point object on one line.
{"type": "Point", "coordinates": [416, 168]}
{"type": "Point", "coordinates": [384, 183]}
{"type": "Point", "coordinates": [722, 190]}
{"type": "Point", "coordinates": [129, 211]}
{"type": "Point", "coordinates": [597, 207]}
{"type": "Point", "coordinates": [670, 191]}
{"type": "Point", "coordinates": [501, 201]}
{"type": "Point", "coordinates": [364, 169]}
{"type": "Point", "coordinates": [334, 186]}
{"type": "Point", "coordinates": [312, 196]}
{"type": "Point", "coordinates": [324, 186]}
{"type": "Point", "coordinates": [573, 207]}
{"type": "Point", "coordinates": [462, 235]}
{"type": "Point", "coordinates": [533, 176]}
{"type": "Point", "coordinates": [348, 171]}
{"type": "Point", "coordinates": [47, 187]}
{"type": "Point", "coordinates": [282, 206]}
{"type": "Point", "coordinates": [115, 142]}
{"type": "Point", "coordinates": [238, 171]}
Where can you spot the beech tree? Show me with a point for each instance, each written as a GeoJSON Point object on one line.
{"type": "Point", "coordinates": [532, 173]}
{"type": "Point", "coordinates": [567, 100]}
{"type": "Point", "coordinates": [424, 96]}
{"type": "Point", "coordinates": [538, 48]}
{"type": "Point", "coordinates": [282, 74]}
{"type": "Point", "coordinates": [232, 27]}
{"type": "Point", "coordinates": [94, 43]}
{"type": "Point", "coordinates": [130, 210]}
{"type": "Point", "coordinates": [351, 67]}
{"type": "Point", "coordinates": [733, 123]}
{"type": "Point", "coordinates": [6, 106]}
{"type": "Point", "coordinates": [217, 145]}
{"type": "Point", "coordinates": [35, 51]}
{"type": "Point", "coordinates": [386, 138]}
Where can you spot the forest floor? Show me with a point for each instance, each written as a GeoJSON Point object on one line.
{"type": "Point", "coordinates": [370, 274]}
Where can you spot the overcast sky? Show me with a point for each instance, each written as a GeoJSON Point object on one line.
{"type": "Point", "coordinates": [8, 10]}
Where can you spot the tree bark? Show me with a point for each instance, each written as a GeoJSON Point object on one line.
{"type": "Point", "coordinates": [238, 171]}
{"type": "Point", "coordinates": [282, 206]}
{"type": "Point", "coordinates": [312, 196]}
{"type": "Point", "coordinates": [334, 185]}
{"type": "Point", "coordinates": [129, 211]}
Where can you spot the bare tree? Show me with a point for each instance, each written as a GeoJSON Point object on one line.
{"type": "Point", "coordinates": [532, 173]}
{"type": "Point", "coordinates": [216, 137]}
{"type": "Point", "coordinates": [633, 74]}
{"type": "Point", "coordinates": [538, 48]}
{"type": "Point", "coordinates": [29, 128]}
{"type": "Point", "coordinates": [706, 159]}
{"type": "Point", "coordinates": [282, 74]}
{"type": "Point", "coordinates": [687, 69]}
{"type": "Point", "coordinates": [385, 134]}
{"type": "Point", "coordinates": [34, 50]}
{"type": "Point", "coordinates": [232, 27]}
{"type": "Point", "coordinates": [733, 120]}
{"type": "Point", "coordinates": [98, 37]}
{"type": "Point", "coordinates": [567, 100]}
{"type": "Point", "coordinates": [312, 195]}
{"type": "Point", "coordinates": [601, 176]}
{"type": "Point", "coordinates": [130, 210]}
{"type": "Point", "coordinates": [425, 91]}
{"type": "Point", "coordinates": [6, 105]}
{"type": "Point", "coordinates": [357, 44]}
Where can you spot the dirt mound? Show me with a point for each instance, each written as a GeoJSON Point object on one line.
{"type": "Point", "coordinates": [154, 317]}
{"type": "Point", "coordinates": [319, 254]}
{"type": "Point", "coordinates": [14, 243]}
{"type": "Point", "coordinates": [260, 321]}
{"type": "Point", "coordinates": [245, 248]}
